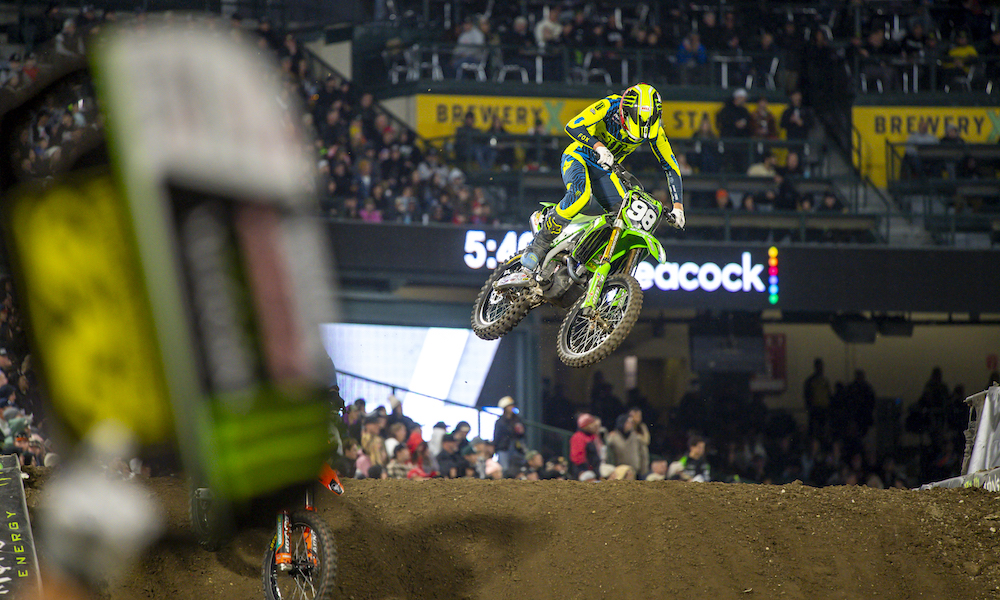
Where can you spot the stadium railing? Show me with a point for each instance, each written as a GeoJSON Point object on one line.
{"type": "Point", "coordinates": [956, 187]}
{"type": "Point", "coordinates": [612, 66]}
{"type": "Point", "coordinates": [919, 74]}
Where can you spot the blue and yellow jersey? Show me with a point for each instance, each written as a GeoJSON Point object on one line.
{"type": "Point", "coordinates": [599, 122]}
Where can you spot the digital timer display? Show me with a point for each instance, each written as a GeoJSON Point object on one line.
{"type": "Point", "coordinates": [482, 251]}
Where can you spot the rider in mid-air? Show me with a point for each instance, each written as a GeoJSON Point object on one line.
{"type": "Point", "coordinates": [604, 133]}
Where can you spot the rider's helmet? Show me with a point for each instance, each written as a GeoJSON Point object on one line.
{"type": "Point", "coordinates": [639, 111]}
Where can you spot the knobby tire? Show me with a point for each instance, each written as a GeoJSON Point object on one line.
{"type": "Point", "coordinates": [325, 573]}
{"type": "Point", "coordinates": [568, 334]}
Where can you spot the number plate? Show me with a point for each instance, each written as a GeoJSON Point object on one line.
{"type": "Point", "coordinates": [643, 215]}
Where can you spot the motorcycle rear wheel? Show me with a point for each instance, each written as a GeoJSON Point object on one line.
{"type": "Point", "coordinates": [496, 313]}
{"type": "Point", "coordinates": [586, 339]}
{"type": "Point", "coordinates": [310, 578]}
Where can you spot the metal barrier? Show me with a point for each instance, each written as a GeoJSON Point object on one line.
{"type": "Point", "coordinates": [981, 461]}
{"type": "Point", "coordinates": [608, 65]}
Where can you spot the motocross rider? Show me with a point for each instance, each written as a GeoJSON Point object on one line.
{"type": "Point", "coordinates": [603, 133]}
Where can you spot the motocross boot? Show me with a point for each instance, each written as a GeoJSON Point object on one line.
{"type": "Point", "coordinates": [539, 247]}
{"type": "Point", "coordinates": [536, 250]}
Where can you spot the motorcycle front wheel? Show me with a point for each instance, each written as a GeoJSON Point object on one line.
{"type": "Point", "coordinates": [588, 337]}
{"type": "Point", "coordinates": [313, 569]}
{"type": "Point", "coordinates": [496, 313]}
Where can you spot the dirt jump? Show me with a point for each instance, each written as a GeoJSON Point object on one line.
{"type": "Point", "coordinates": [522, 540]}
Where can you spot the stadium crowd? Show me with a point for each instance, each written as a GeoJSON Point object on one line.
{"type": "Point", "coordinates": [23, 429]}
{"type": "Point", "coordinates": [715, 433]}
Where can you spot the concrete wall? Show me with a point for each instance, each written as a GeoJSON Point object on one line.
{"type": "Point", "coordinates": [336, 55]}
{"type": "Point", "coordinates": [403, 108]}
{"type": "Point", "coordinates": [895, 366]}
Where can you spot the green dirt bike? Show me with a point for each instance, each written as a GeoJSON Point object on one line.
{"type": "Point", "coordinates": [588, 271]}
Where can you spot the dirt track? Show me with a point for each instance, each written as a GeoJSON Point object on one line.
{"type": "Point", "coordinates": [554, 540]}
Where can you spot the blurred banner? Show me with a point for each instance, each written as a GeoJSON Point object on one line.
{"type": "Point", "coordinates": [437, 115]}
{"type": "Point", "coordinates": [18, 562]}
{"type": "Point", "coordinates": [877, 125]}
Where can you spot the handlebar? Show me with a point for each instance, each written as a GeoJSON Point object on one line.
{"type": "Point", "coordinates": [628, 180]}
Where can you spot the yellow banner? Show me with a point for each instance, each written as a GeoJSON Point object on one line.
{"type": "Point", "coordinates": [880, 124]}
{"type": "Point", "coordinates": [439, 115]}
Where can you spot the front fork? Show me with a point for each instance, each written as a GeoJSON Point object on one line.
{"type": "Point", "coordinates": [602, 270]}
{"type": "Point", "coordinates": [283, 542]}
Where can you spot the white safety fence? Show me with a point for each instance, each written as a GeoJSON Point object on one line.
{"type": "Point", "coordinates": [981, 464]}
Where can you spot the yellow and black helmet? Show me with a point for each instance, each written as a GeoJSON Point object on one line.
{"type": "Point", "coordinates": [639, 111]}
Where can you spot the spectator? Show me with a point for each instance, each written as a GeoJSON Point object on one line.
{"type": "Point", "coordinates": [488, 153]}
{"type": "Point", "coordinates": [449, 460]}
{"type": "Point", "coordinates": [585, 446]}
{"type": "Point", "coordinates": [824, 85]}
{"type": "Point", "coordinates": [508, 436]}
{"type": "Point", "coordinates": [346, 462]}
{"type": "Point", "coordinates": [706, 147]}
{"type": "Point", "coordinates": [69, 42]}
{"type": "Point", "coordinates": [623, 444]}
{"type": "Point", "coordinates": [622, 473]}
{"type": "Point", "coordinates": [470, 47]}
{"type": "Point", "coordinates": [831, 204]}
{"type": "Point", "coordinates": [692, 58]}
{"type": "Point", "coordinates": [371, 442]}
{"type": "Point", "coordinates": [763, 124]}
{"type": "Point", "coordinates": [534, 465]}
{"type": "Point", "coordinates": [370, 213]}
{"type": "Point", "coordinates": [876, 54]}
{"type": "Point", "coordinates": [7, 394]}
{"type": "Point", "coordinates": [764, 168]}
{"type": "Point", "coordinates": [914, 44]}
{"type": "Point", "coordinates": [816, 392]}
{"type": "Point", "coordinates": [468, 141]}
{"type": "Point", "coordinates": [475, 466]}
{"type": "Point", "coordinates": [786, 197]}
{"type": "Point", "coordinates": [682, 165]}
{"type": "Point", "coordinates": [400, 465]}
{"type": "Point", "coordinates": [861, 402]}
{"type": "Point", "coordinates": [793, 47]}
{"type": "Point", "coordinates": [912, 159]}
{"type": "Point", "coordinates": [793, 167]}
{"type": "Point", "coordinates": [491, 467]}
{"type": "Point", "coordinates": [549, 29]}
{"type": "Point", "coordinates": [765, 52]}
{"type": "Point", "coordinates": [734, 121]}
{"type": "Point", "coordinates": [396, 415]}
{"type": "Point", "coordinates": [461, 434]}
{"type": "Point", "coordinates": [723, 201]}
{"type": "Point", "coordinates": [422, 463]}
{"type": "Point", "coordinates": [657, 468]}
{"type": "Point", "coordinates": [952, 138]}
{"type": "Point", "coordinates": [556, 469]}
{"type": "Point", "coordinates": [990, 52]}
{"type": "Point", "coordinates": [641, 433]}
{"type": "Point", "coordinates": [710, 32]}
{"type": "Point", "coordinates": [960, 57]}
{"type": "Point", "coordinates": [693, 466]}
{"type": "Point", "coordinates": [519, 47]}
{"type": "Point", "coordinates": [398, 434]}
{"type": "Point", "coordinates": [797, 120]}
{"type": "Point", "coordinates": [376, 472]}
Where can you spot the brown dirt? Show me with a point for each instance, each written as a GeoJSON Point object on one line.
{"type": "Point", "coordinates": [555, 540]}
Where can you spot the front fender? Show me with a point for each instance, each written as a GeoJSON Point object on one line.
{"type": "Point", "coordinates": [651, 243]}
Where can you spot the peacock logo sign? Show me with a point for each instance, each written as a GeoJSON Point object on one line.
{"type": "Point", "coordinates": [743, 276]}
